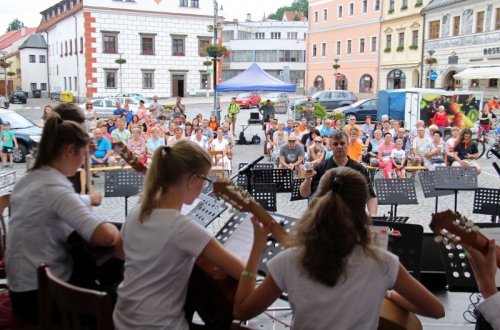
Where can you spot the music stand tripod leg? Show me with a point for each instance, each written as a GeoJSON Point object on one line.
{"type": "Point", "coordinates": [436, 209]}
{"type": "Point", "coordinates": [126, 206]}
{"type": "Point", "coordinates": [456, 199]}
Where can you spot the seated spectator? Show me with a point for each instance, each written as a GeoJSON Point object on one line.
{"type": "Point", "coordinates": [327, 129]}
{"type": "Point", "coordinates": [352, 124]}
{"type": "Point", "coordinates": [316, 152]}
{"type": "Point", "coordinates": [371, 157]}
{"type": "Point", "coordinates": [121, 134]}
{"type": "Point", "coordinates": [401, 134]}
{"type": "Point", "coordinates": [308, 139]}
{"type": "Point", "coordinates": [418, 147]}
{"type": "Point", "coordinates": [435, 152]}
{"type": "Point", "coordinates": [355, 146]}
{"type": "Point", "coordinates": [228, 134]}
{"type": "Point", "coordinates": [178, 136]}
{"type": "Point", "coordinates": [212, 123]}
{"type": "Point", "coordinates": [104, 129]}
{"type": "Point", "coordinates": [269, 146]}
{"type": "Point", "coordinates": [303, 126]}
{"type": "Point", "coordinates": [292, 156]}
{"type": "Point", "coordinates": [328, 147]}
{"type": "Point", "coordinates": [170, 131]}
{"type": "Point", "coordinates": [386, 128]}
{"type": "Point", "coordinates": [378, 126]}
{"type": "Point", "coordinates": [188, 130]}
{"type": "Point", "coordinates": [154, 142]}
{"type": "Point", "coordinates": [199, 138]}
{"type": "Point", "coordinates": [111, 124]}
{"type": "Point", "coordinates": [207, 131]}
{"type": "Point", "coordinates": [279, 139]}
{"type": "Point", "coordinates": [289, 126]}
{"type": "Point", "coordinates": [134, 123]}
{"type": "Point", "coordinates": [103, 153]}
{"type": "Point", "coordinates": [297, 133]}
{"type": "Point", "coordinates": [430, 131]}
{"type": "Point", "coordinates": [367, 129]}
{"type": "Point", "coordinates": [395, 126]}
{"type": "Point", "coordinates": [195, 123]}
{"type": "Point", "coordinates": [339, 124]}
{"type": "Point", "coordinates": [450, 145]}
{"type": "Point", "coordinates": [136, 144]}
{"type": "Point", "coordinates": [119, 111]}
{"type": "Point", "coordinates": [398, 158]}
{"type": "Point", "coordinates": [162, 123]}
{"type": "Point", "coordinates": [466, 152]}
{"type": "Point", "coordinates": [414, 131]}
{"type": "Point", "coordinates": [222, 144]}
{"type": "Point", "coordinates": [319, 123]}
{"type": "Point", "coordinates": [384, 155]}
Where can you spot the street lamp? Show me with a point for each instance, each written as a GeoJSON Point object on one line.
{"type": "Point", "coordinates": [216, 26]}
{"type": "Point", "coordinates": [431, 60]}
{"type": "Point", "coordinates": [121, 61]}
{"type": "Point", "coordinates": [336, 66]}
{"type": "Point", "coordinates": [4, 64]}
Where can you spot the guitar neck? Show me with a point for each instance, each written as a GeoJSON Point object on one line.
{"type": "Point", "coordinates": [278, 232]}
{"type": "Point", "coordinates": [481, 243]}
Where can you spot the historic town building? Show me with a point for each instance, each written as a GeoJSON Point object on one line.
{"type": "Point", "coordinates": [343, 45]}
{"type": "Point", "coordinates": [462, 45]}
{"type": "Point", "coordinates": [401, 43]}
{"type": "Point", "coordinates": [162, 42]}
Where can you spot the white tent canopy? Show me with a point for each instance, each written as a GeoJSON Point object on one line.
{"type": "Point", "coordinates": [485, 72]}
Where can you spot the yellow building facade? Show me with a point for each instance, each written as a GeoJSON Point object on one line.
{"type": "Point", "coordinates": [401, 43]}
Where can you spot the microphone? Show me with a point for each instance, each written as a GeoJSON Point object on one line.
{"type": "Point", "coordinates": [250, 165]}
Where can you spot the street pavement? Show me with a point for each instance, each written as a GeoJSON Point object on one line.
{"type": "Point", "coordinates": [114, 208]}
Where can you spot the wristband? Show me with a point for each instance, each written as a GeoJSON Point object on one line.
{"type": "Point", "coordinates": [248, 274]}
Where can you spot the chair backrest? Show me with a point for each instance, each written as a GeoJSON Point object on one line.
{"type": "Point", "coordinates": [214, 154]}
{"type": "Point", "coordinates": [4, 204]}
{"type": "Point", "coordinates": [73, 303]}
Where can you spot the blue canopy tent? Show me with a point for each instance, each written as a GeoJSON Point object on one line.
{"type": "Point", "coordinates": [255, 79]}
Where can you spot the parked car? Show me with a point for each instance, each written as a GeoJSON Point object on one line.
{"type": "Point", "coordinates": [248, 100]}
{"type": "Point", "coordinates": [137, 96]}
{"type": "Point", "coordinates": [17, 96]}
{"type": "Point", "coordinates": [133, 102]}
{"type": "Point", "coordinates": [361, 109]}
{"type": "Point", "coordinates": [279, 99]}
{"type": "Point", "coordinates": [330, 99]}
{"type": "Point", "coordinates": [28, 134]}
{"type": "Point", "coordinates": [104, 107]}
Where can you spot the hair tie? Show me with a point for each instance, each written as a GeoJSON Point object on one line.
{"type": "Point", "coordinates": [337, 185]}
{"type": "Point", "coordinates": [166, 151]}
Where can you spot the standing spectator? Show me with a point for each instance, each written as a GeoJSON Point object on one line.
{"type": "Point", "coordinates": [218, 110]}
{"type": "Point", "coordinates": [103, 153]}
{"type": "Point", "coordinates": [178, 106]}
{"type": "Point", "coordinates": [156, 105]}
{"type": "Point", "coordinates": [485, 117]}
{"type": "Point", "coordinates": [136, 144]}
{"type": "Point", "coordinates": [292, 156]}
{"type": "Point", "coordinates": [398, 158]}
{"type": "Point", "coordinates": [267, 110]}
{"type": "Point", "coordinates": [355, 146]}
{"type": "Point", "coordinates": [367, 128]}
{"type": "Point", "coordinates": [440, 119]}
{"type": "Point", "coordinates": [9, 143]}
{"type": "Point", "coordinates": [233, 111]}
{"type": "Point", "coordinates": [199, 138]}
{"type": "Point", "coordinates": [154, 142]}
{"type": "Point", "coordinates": [466, 151]}
{"type": "Point", "coordinates": [119, 111]}
{"type": "Point", "coordinates": [46, 112]}
{"type": "Point", "coordinates": [352, 124]}
{"type": "Point", "coordinates": [178, 135]}
{"type": "Point", "coordinates": [308, 109]}
{"type": "Point", "coordinates": [435, 152]}
{"type": "Point", "coordinates": [142, 112]}
{"type": "Point", "coordinates": [121, 134]}
{"type": "Point", "coordinates": [384, 155]}
{"type": "Point", "coordinates": [90, 116]}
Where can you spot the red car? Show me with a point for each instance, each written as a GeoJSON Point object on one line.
{"type": "Point", "coordinates": [248, 100]}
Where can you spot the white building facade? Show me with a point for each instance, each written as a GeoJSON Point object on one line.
{"type": "Point", "coordinates": [162, 43]}
{"type": "Point", "coordinates": [277, 46]}
{"type": "Point", "coordinates": [464, 39]}
{"type": "Point", "coordinates": [33, 59]}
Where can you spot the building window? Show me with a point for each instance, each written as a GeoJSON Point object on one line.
{"type": "Point", "coordinates": [32, 59]}
{"type": "Point", "coordinates": [325, 14]}
{"type": "Point", "coordinates": [456, 25]}
{"type": "Point", "coordinates": [275, 35]}
{"type": "Point", "coordinates": [33, 85]}
{"type": "Point", "coordinates": [203, 43]}
{"type": "Point", "coordinates": [497, 20]}
{"type": "Point", "coordinates": [148, 79]}
{"type": "Point", "coordinates": [203, 80]}
{"type": "Point", "coordinates": [314, 50]}
{"type": "Point", "coordinates": [65, 84]}
{"type": "Point", "coordinates": [110, 42]}
{"type": "Point", "coordinates": [259, 35]}
{"type": "Point", "coordinates": [41, 59]}
{"type": "Point", "coordinates": [401, 39]}
{"type": "Point", "coordinates": [76, 47]}
{"type": "Point", "coordinates": [316, 15]}
{"type": "Point", "coordinates": [377, 5]}
{"type": "Point", "coordinates": [81, 45]}
{"type": "Point", "coordinates": [147, 44]}
{"type": "Point", "coordinates": [339, 45]}
{"type": "Point", "coordinates": [391, 6]}
{"type": "Point", "coordinates": [62, 49]}
{"type": "Point", "coordinates": [43, 86]}
{"type": "Point", "coordinates": [374, 44]}
{"type": "Point", "coordinates": [195, 3]}
{"type": "Point", "coordinates": [480, 22]}
{"type": "Point", "coordinates": [290, 56]}
{"type": "Point", "coordinates": [178, 46]}
{"type": "Point", "coordinates": [323, 49]}
{"type": "Point", "coordinates": [65, 48]}
{"type": "Point", "coordinates": [414, 38]}
{"type": "Point", "coordinates": [396, 79]}
{"type": "Point", "coordinates": [404, 5]}
{"type": "Point", "coordinates": [362, 45]}
{"type": "Point", "coordinates": [349, 46]}
{"type": "Point", "coordinates": [365, 6]}
{"type": "Point", "coordinates": [493, 83]}
{"type": "Point", "coordinates": [71, 47]}
{"type": "Point", "coordinates": [388, 41]}
{"type": "Point", "coordinates": [76, 83]}
{"type": "Point", "coordinates": [110, 78]}
{"type": "Point", "coordinates": [292, 35]}
{"type": "Point", "coordinates": [183, 3]}
{"type": "Point", "coordinates": [339, 12]}
{"type": "Point", "coordinates": [434, 29]}
{"type": "Point", "coordinates": [351, 9]}
{"type": "Point", "coordinates": [69, 82]}
{"type": "Point", "coordinates": [474, 83]}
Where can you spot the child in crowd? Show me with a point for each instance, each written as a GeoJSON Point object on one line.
{"type": "Point", "coordinates": [398, 157]}
{"type": "Point", "coordinates": [9, 143]}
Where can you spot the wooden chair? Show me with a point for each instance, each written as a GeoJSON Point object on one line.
{"type": "Point", "coordinates": [216, 169]}
{"type": "Point", "coordinates": [73, 303]}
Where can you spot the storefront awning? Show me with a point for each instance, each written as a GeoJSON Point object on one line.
{"type": "Point", "coordinates": [485, 72]}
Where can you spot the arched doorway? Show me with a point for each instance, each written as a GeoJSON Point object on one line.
{"type": "Point", "coordinates": [319, 83]}
{"type": "Point", "coordinates": [396, 79]}
{"type": "Point", "coordinates": [448, 81]}
{"type": "Point", "coordinates": [366, 84]}
{"type": "Point", "coordinates": [415, 78]}
{"type": "Point", "coordinates": [341, 82]}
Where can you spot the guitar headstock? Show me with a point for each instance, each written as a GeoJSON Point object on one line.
{"type": "Point", "coordinates": [452, 228]}
{"type": "Point", "coordinates": [234, 195]}
{"type": "Point", "coordinates": [128, 156]}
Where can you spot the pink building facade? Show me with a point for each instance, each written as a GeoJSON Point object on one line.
{"type": "Point", "coordinates": [343, 45]}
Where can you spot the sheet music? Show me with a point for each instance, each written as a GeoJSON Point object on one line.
{"type": "Point", "coordinates": [240, 241]}
{"type": "Point", "coordinates": [380, 235]}
{"type": "Point", "coordinates": [186, 209]}
{"type": "Point", "coordinates": [493, 233]}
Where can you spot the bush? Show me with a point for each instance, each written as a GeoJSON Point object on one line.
{"type": "Point", "coordinates": [263, 102]}
{"type": "Point", "coordinates": [319, 110]}
{"type": "Point", "coordinates": [337, 114]}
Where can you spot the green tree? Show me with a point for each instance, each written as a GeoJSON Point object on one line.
{"type": "Point", "coordinates": [15, 25]}
{"type": "Point", "coordinates": [300, 6]}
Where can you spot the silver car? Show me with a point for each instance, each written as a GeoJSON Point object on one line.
{"type": "Point", "coordinates": [103, 107]}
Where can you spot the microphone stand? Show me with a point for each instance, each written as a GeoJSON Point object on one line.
{"type": "Point", "coordinates": [248, 172]}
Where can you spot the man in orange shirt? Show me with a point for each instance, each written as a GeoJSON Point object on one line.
{"type": "Point", "coordinates": [352, 124]}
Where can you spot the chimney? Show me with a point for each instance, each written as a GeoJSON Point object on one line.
{"type": "Point", "coordinates": [23, 31]}
{"type": "Point", "coordinates": [249, 17]}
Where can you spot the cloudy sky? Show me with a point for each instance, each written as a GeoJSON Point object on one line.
{"type": "Point", "coordinates": [28, 11]}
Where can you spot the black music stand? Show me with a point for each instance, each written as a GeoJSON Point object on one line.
{"type": "Point", "coordinates": [280, 176]}
{"type": "Point", "coordinates": [241, 181]}
{"type": "Point", "coordinates": [207, 210]}
{"type": "Point", "coordinates": [458, 272]}
{"type": "Point", "coordinates": [395, 192]}
{"type": "Point", "coordinates": [296, 190]}
{"type": "Point", "coordinates": [265, 194]}
{"type": "Point", "coordinates": [122, 183]}
{"type": "Point", "coordinates": [428, 183]}
{"type": "Point", "coordinates": [456, 178]}
{"type": "Point", "coordinates": [487, 201]}
{"type": "Point", "coordinates": [408, 247]}
{"type": "Point", "coordinates": [391, 219]}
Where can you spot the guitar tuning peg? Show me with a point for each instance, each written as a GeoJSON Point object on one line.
{"type": "Point", "coordinates": [451, 246]}
{"type": "Point", "coordinates": [475, 228]}
{"type": "Point", "coordinates": [469, 224]}
{"type": "Point", "coordinates": [438, 238]}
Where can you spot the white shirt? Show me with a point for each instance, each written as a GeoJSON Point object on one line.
{"type": "Point", "coordinates": [219, 145]}
{"type": "Point", "coordinates": [45, 210]}
{"type": "Point", "coordinates": [490, 309]}
{"type": "Point", "coordinates": [202, 143]}
{"type": "Point", "coordinates": [419, 144]}
{"type": "Point", "coordinates": [354, 303]}
{"type": "Point", "coordinates": [159, 257]}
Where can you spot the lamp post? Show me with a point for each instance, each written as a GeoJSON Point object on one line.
{"type": "Point", "coordinates": [121, 61]}
{"type": "Point", "coordinates": [215, 27]}
{"type": "Point", "coordinates": [336, 66]}
{"type": "Point", "coordinates": [4, 64]}
{"type": "Point", "coordinates": [430, 61]}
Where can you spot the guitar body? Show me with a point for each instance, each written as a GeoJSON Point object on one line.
{"type": "Point", "coordinates": [393, 317]}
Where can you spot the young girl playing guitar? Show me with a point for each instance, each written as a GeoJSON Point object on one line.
{"type": "Point", "coordinates": [335, 278]}
{"type": "Point", "coordinates": [161, 245]}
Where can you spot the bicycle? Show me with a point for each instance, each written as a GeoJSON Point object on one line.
{"type": "Point", "coordinates": [496, 145]}
{"type": "Point", "coordinates": [484, 141]}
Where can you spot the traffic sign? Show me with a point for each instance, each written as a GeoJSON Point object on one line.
{"type": "Point", "coordinates": [433, 75]}
{"type": "Point", "coordinates": [339, 74]}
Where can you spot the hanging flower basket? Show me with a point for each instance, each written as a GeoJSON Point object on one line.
{"type": "Point", "coordinates": [430, 60]}
{"type": "Point", "coordinates": [11, 73]}
{"type": "Point", "coordinates": [336, 66]}
{"type": "Point", "coordinates": [217, 51]}
{"type": "Point", "coordinates": [120, 61]}
{"type": "Point", "coordinates": [207, 63]}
